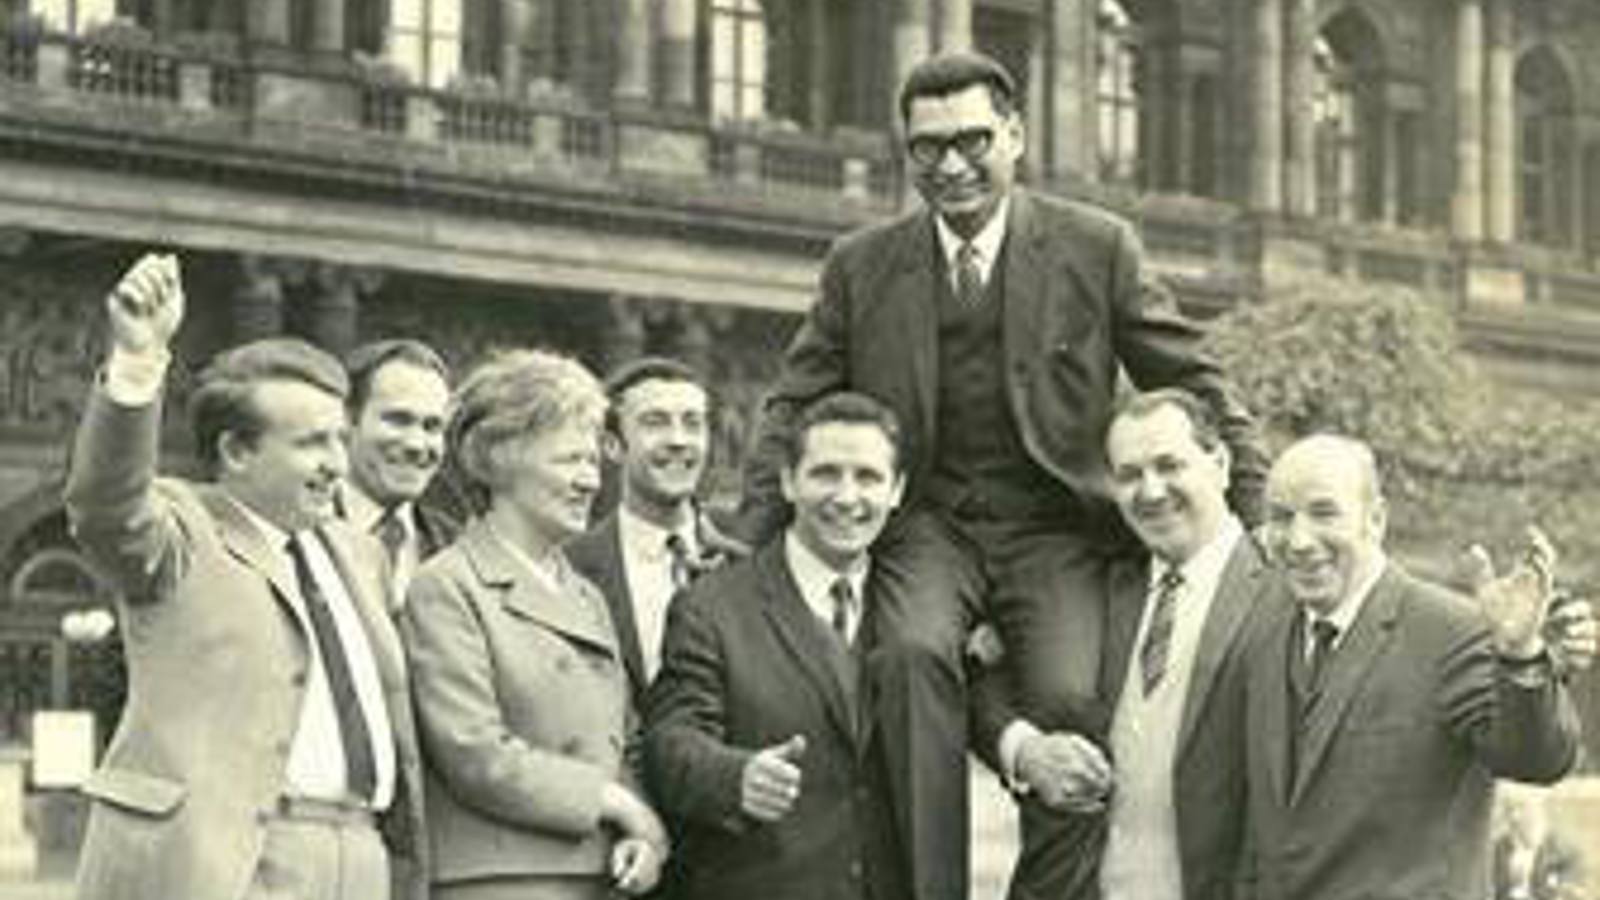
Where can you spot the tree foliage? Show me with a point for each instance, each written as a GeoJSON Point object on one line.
{"type": "Point", "coordinates": [1464, 459]}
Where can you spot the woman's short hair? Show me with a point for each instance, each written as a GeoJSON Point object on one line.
{"type": "Point", "coordinates": [224, 402]}
{"type": "Point", "coordinates": [515, 394]}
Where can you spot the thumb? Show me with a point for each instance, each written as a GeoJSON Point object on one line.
{"type": "Point", "coordinates": [792, 749]}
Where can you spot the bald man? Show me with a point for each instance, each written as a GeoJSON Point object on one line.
{"type": "Point", "coordinates": [1381, 707]}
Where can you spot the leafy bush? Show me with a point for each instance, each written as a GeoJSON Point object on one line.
{"type": "Point", "coordinates": [1464, 459]}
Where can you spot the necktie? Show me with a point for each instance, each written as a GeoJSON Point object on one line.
{"type": "Point", "coordinates": [361, 771]}
{"type": "Point", "coordinates": [844, 608]}
{"type": "Point", "coordinates": [1323, 634]}
{"type": "Point", "coordinates": [1158, 635]}
{"type": "Point", "coordinates": [392, 532]}
{"type": "Point", "coordinates": [682, 566]}
{"type": "Point", "coordinates": [969, 281]}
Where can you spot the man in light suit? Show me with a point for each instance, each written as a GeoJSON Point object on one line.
{"type": "Point", "coordinates": [1162, 822]}
{"type": "Point", "coordinates": [658, 435]}
{"type": "Point", "coordinates": [758, 739]}
{"type": "Point", "coordinates": [1382, 707]}
{"type": "Point", "coordinates": [399, 403]}
{"type": "Point", "coordinates": [267, 749]}
{"type": "Point", "coordinates": [994, 322]}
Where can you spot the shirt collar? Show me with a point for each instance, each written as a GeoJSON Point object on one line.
{"type": "Point", "coordinates": [650, 539]}
{"type": "Point", "coordinates": [815, 577]}
{"type": "Point", "coordinates": [987, 241]}
{"type": "Point", "coordinates": [276, 537]}
{"type": "Point", "coordinates": [1344, 617]}
{"type": "Point", "coordinates": [1206, 565]}
{"type": "Point", "coordinates": [365, 513]}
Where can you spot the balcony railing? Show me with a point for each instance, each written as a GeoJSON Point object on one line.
{"type": "Point", "coordinates": [118, 81]}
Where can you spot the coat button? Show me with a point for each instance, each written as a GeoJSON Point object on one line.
{"type": "Point", "coordinates": [571, 747]}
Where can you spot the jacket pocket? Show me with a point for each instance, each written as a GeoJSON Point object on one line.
{"type": "Point", "coordinates": [136, 791]}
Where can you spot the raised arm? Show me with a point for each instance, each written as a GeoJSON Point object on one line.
{"type": "Point", "coordinates": [111, 498]}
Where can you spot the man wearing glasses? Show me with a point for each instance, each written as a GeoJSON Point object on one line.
{"type": "Point", "coordinates": [994, 323]}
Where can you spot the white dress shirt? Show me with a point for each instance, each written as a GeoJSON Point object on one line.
{"type": "Point", "coordinates": [647, 568]}
{"type": "Point", "coordinates": [316, 767]}
{"type": "Point", "coordinates": [1141, 860]}
{"type": "Point", "coordinates": [815, 580]}
{"type": "Point", "coordinates": [366, 514]}
{"type": "Point", "coordinates": [985, 244]}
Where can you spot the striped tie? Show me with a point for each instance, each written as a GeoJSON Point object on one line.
{"type": "Point", "coordinates": [1158, 636]}
{"type": "Point", "coordinates": [969, 280]}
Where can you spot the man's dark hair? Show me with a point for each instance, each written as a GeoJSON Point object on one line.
{"type": "Point", "coordinates": [646, 368]}
{"type": "Point", "coordinates": [950, 73]}
{"type": "Point", "coordinates": [1202, 419]}
{"type": "Point", "coordinates": [846, 408]}
{"type": "Point", "coordinates": [364, 363]}
{"type": "Point", "coordinates": [224, 396]}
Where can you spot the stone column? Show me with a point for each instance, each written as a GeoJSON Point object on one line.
{"type": "Point", "coordinates": [1067, 145]}
{"type": "Point", "coordinates": [910, 43]}
{"type": "Point", "coordinates": [633, 52]}
{"type": "Point", "coordinates": [820, 102]}
{"type": "Point", "coordinates": [327, 26]}
{"type": "Point", "coordinates": [1266, 105]}
{"type": "Point", "coordinates": [1467, 202]}
{"type": "Point", "coordinates": [677, 46]}
{"type": "Point", "coordinates": [624, 340]}
{"type": "Point", "coordinates": [514, 16]}
{"type": "Point", "coordinates": [257, 305]}
{"type": "Point", "coordinates": [1299, 166]}
{"type": "Point", "coordinates": [1500, 147]}
{"type": "Point", "coordinates": [269, 22]}
{"type": "Point", "coordinates": [955, 25]}
{"type": "Point", "coordinates": [695, 341]}
{"type": "Point", "coordinates": [334, 305]}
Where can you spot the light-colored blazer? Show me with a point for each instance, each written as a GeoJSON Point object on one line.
{"type": "Point", "coordinates": [217, 666]}
{"type": "Point", "coordinates": [1387, 792]}
{"type": "Point", "coordinates": [522, 703]}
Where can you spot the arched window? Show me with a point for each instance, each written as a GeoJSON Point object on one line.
{"type": "Point", "coordinates": [1545, 156]}
{"type": "Point", "coordinates": [1350, 119]}
{"type": "Point", "coordinates": [1117, 83]}
{"type": "Point", "coordinates": [738, 59]}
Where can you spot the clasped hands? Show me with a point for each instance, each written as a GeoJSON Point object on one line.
{"type": "Point", "coordinates": [641, 848]}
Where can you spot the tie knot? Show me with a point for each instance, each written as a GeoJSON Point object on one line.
{"type": "Point", "coordinates": [391, 529]}
{"type": "Point", "coordinates": [1170, 580]}
{"type": "Point", "coordinates": [967, 254]}
{"type": "Point", "coordinates": [1324, 633]}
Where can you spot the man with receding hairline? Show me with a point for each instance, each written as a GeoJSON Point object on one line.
{"type": "Point", "coordinates": [267, 749]}
{"type": "Point", "coordinates": [1381, 707]}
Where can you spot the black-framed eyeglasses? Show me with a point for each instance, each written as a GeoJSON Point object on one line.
{"type": "Point", "coordinates": [971, 143]}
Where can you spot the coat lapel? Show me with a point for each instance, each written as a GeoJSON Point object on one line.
{"type": "Point", "coordinates": [796, 628]}
{"type": "Point", "coordinates": [568, 607]}
{"type": "Point", "coordinates": [245, 541]}
{"type": "Point", "coordinates": [1031, 276]}
{"type": "Point", "coordinates": [1270, 716]}
{"type": "Point", "coordinates": [1348, 669]}
{"type": "Point", "coordinates": [1130, 583]}
{"type": "Point", "coordinates": [912, 291]}
{"type": "Point", "coordinates": [1237, 590]}
{"type": "Point", "coordinates": [620, 600]}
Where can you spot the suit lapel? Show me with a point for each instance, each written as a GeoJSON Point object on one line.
{"type": "Point", "coordinates": [1348, 669]}
{"type": "Point", "coordinates": [798, 632]}
{"type": "Point", "coordinates": [566, 607]}
{"type": "Point", "coordinates": [1130, 583]}
{"type": "Point", "coordinates": [1272, 719]}
{"type": "Point", "coordinates": [1030, 278]}
{"type": "Point", "coordinates": [620, 600]}
{"type": "Point", "coordinates": [916, 321]}
{"type": "Point", "coordinates": [244, 540]}
{"type": "Point", "coordinates": [1236, 595]}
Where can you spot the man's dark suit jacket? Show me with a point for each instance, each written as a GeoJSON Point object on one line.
{"type": "Point", "coordinates": [1076, 306]}
{"type": "Point", "coordinates": [1063, 850]}
{"type": "Point", "coordinates": [1389, 791]}
{"type": "Point", "coordinates": [747, 665]}
{"type": "Point", "coordinates": [597, 556]}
